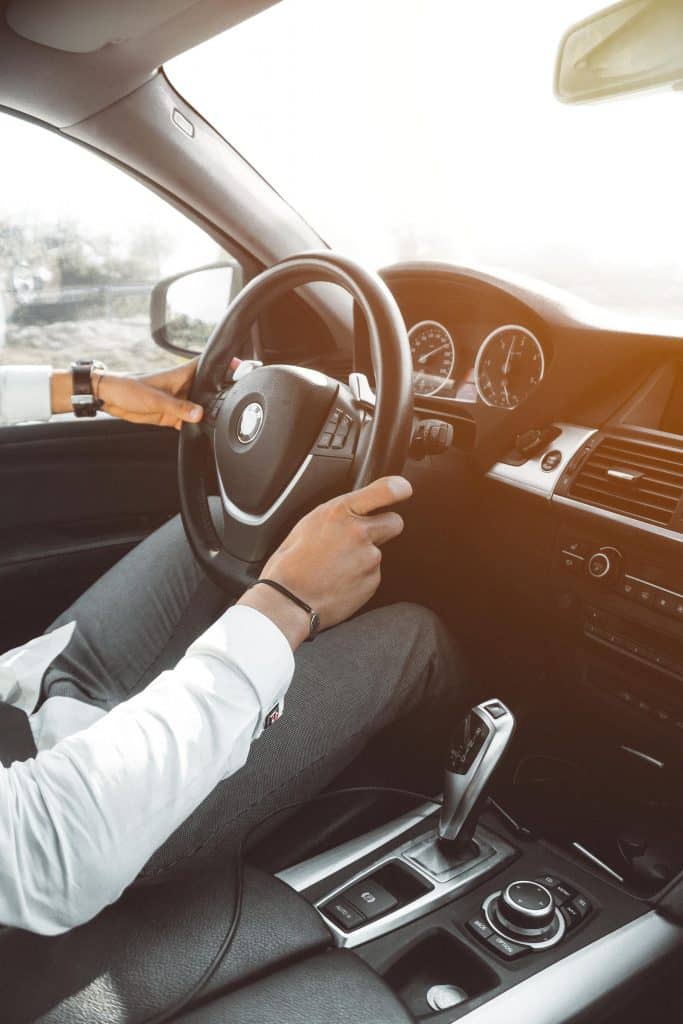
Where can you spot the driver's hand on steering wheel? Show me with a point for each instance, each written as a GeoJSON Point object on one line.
{"type": "Point", "coordinates": [159, 398]}
{"type": "Point", "coordinates": [331, 559]}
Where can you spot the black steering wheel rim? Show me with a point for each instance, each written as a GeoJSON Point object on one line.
{"type": "Point", "coordinates": [235, 556]}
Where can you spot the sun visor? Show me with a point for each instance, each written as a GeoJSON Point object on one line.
{"type": "Point", "coordinates": [83, 26]}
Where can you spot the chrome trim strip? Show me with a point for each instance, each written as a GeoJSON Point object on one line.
{"type": "Point", "coordinates": [596, 860]}
{"type": "Point", "coordinates": [615, 517]}
{"type": "Point", "coordinates": [530, 477]}
{"type": "Point", "coordinates": [644, 757]}
{"type": "Point", "coordinates": [574, 984]}
{"type": "Point", "coordinates": [246, 517]}
{"type": "Point", "coordinates": [655, 586]}
{"type": "Point", "coordinates": [302, 876]}
{"type": "Point", "coordinates": [494, 852]}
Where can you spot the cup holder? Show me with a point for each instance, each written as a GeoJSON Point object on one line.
{"type": "Point", "coordinates": [438, 960]}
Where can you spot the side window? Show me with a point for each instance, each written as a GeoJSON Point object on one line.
{"type": "Point", "coordinates": [81, 247]}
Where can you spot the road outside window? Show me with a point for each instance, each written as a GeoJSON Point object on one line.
{"type": "Point", "coordinates": [81, 247]}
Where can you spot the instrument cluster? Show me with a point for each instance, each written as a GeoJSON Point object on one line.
{"type": "Point", "coordinates": [506, 368]}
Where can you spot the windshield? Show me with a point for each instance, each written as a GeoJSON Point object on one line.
{"type": "Point", "coordinates": [428, 129]}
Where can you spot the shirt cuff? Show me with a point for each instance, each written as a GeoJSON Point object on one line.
{"type": "Point", "coordinates": [259, 650]}
{"type": "Point", "coordinates": [25, 393]}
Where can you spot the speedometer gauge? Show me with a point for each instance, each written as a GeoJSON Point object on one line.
{"type": "Point", "coordinates": [509, 365]}
{"type": "Point", "coordinates": [433, 353]}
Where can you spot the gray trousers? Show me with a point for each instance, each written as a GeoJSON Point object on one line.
{"type": "Point", "coordinates": [355, 679]}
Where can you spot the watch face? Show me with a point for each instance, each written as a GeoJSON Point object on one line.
{"type": "Point", "coordinates": [315, 626]}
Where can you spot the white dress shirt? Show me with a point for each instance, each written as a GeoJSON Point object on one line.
{"type": "Point", "coordinates": [79, 821]}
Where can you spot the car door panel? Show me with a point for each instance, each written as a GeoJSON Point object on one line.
{"type": "Point", "coordinates": [75, 498]}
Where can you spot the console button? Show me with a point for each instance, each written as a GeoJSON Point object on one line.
{"type": "Point", "coordinates": [627, 587]}
{"type": "Point", "coordinates": [479, 927]}
{"type": "Point", "coordinates": [370, 898]}
{"type": "Point", "coordinates": [562, 893]}
{"type": "Point", "coordinates": [572, 916]}
{"type": "Point", "coordinates": [664, 601]}
{"type": "Point", "coordinates": [505, 948]}
{"type": "Point", "coordinates": [571, 563]}
{"type": "Point", "coordinates": [583, 905]}
{"type": "Point", "coordinates": [677, 610]}
{"type": "Point", "coordinates": [549, 881]}
{"type": "Point", "coordinates": [343, 914]}
{"type": "Point", "coordinates": [645, 594]}
{"type": "Point", "coordinates": [496, 709]}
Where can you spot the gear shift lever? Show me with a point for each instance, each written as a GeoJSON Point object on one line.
{"type": "Point", "coordinates": [477, 747]}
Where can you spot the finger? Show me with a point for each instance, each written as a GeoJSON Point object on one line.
{"type": "Point", "coordinates": [380, 493]}
{"type": "Point", "coordinates": [383, 527]}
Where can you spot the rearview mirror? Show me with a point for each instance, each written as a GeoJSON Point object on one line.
{"type": "Point", "coordinates": [185, 308]}
{"type": "Point", "coordinates": [635, 44]}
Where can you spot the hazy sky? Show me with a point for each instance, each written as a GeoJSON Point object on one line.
{"type": "Point", "coordinates": [421, 128]}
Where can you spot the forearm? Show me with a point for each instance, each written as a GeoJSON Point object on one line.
{"type": "Point", "coordinates": [60, 391]}
{"type": "Point", "coordinates": [94, 808]}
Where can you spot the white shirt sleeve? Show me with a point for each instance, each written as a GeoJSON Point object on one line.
{"type": "Point", "coordinates": [79, 821]}
{"type": "Point", "coordinates": [24, 393]}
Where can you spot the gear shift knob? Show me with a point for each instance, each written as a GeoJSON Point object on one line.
{"type": "Point", "coordinates": [478, 745]}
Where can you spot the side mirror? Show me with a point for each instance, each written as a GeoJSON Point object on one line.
{"type": "Point", "coordinates": [634, 44]}
{"type": "Point", "coordinates": [185, 308]}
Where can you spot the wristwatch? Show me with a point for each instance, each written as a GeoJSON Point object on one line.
{"type": "Point", "coordinates": [83, 400]}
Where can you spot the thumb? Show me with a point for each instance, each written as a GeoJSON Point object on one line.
{"type": "Point", "coordinates": [179, 408]}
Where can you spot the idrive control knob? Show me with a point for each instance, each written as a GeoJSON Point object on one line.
{"type": "Point", "coordinates": [527, 905]}
{"type": "Point", "coordinates": [604, 565]}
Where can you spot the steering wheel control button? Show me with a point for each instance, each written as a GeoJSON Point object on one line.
{"type": "Point", "coordinates": [370, 898]}
{"type": "Point", "coordinates": [343, 914]}
{"type": "Point", "coordinates": [479, 927]}
{"type": "Point", "coordinates": [506, 948]}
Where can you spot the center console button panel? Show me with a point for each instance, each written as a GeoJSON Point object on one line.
{"type": "Point", "coordinates": [529, 915]}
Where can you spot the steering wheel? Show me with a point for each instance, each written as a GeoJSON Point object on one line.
{"type": "Point", "coordinates": [281, 439]}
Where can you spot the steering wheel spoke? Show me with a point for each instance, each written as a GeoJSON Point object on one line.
{"type": "Point", "coordinates": [281, 439]}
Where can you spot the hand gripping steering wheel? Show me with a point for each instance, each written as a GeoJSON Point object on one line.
{"type": "Point", "coordinates": [281, 439]}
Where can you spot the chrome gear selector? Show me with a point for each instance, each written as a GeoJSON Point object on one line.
{"type": "Point", "coordinates": [478, 745]}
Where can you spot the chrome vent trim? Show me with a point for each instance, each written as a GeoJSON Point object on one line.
{"type": "Point", "coordinates": [641, 480]}
{"type": "Point", "coordinates": [632, 477]}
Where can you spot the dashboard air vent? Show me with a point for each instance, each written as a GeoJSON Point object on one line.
{"type": "Point", "coordinates": [640, 479]}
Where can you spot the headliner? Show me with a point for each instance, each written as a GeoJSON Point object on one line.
{"type": "Point", "coordinates": [62, 61]}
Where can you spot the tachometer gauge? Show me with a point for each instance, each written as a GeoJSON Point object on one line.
{"type": "Point", "coordinates": [509, 365]}
{"type": "Point", "coordinates": [433, 355]}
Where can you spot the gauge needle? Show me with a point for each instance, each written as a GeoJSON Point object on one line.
{"type": "Point", "coordinates": [507, 393]}
{"type": "Point", "coordinates": [506, 367]}
{"type": "Point", "coordinates": [425, 359]}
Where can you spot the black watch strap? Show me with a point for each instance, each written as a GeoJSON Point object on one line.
{"type": "Point", "coordinates": [83, 400]}
{"type": "Point", "coordinates": [314, 621]}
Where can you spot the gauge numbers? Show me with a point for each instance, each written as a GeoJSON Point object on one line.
{"type": "Point", "coordinates": [509, 365]}
{"type": "Point", "coordinates": [433, 353]}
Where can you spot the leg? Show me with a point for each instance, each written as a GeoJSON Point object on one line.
{"type": "Point", "coordinates": [135, 622]}
{"type": "Point", "coordinates": [349, 684]}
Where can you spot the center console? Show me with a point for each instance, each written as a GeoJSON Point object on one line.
{"type": "Point", "coordinates": [459, 926]}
